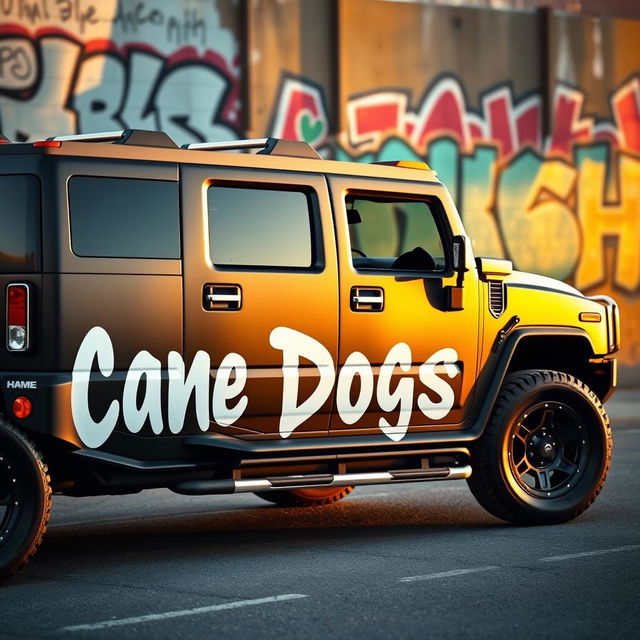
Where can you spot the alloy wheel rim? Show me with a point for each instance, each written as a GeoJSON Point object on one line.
{"type": "Point", "coordinates": [548, 449]}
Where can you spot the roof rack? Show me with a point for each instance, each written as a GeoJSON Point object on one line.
{"type": "Point", "coordinates": [138, 137]}
{"type": "Point", "coordinates": [268, 146]}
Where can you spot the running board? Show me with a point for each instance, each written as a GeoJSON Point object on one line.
{"type": "Point", "coordinates": [207, 487]}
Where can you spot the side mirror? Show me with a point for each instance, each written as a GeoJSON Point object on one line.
{"type": "Point", "coordinates": [454, 296]}
{"type": "Point", "coordinates": [459, 254]}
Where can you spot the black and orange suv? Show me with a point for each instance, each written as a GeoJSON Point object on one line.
{"type": "Point", "coordinates": [248, 317]}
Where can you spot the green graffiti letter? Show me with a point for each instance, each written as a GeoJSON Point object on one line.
{"type": "Point", "coordinates": [535, 216]}
{"type": "Point", "coordinates": [478, 181]}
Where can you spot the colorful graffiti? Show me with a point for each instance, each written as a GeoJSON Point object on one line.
{"type": "Point", "coordinates": [73, 67]}
{"type": "Point", "coordinates": [301, 112]}
{"type": "Point", "coordinates": [510, 124]}
{"type": "Point", "coordinates": [567, 206]}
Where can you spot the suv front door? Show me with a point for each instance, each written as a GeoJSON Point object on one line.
{"type": "Point", "coordinates": [407, 364]}
{"type": "Point", "coordinates": [261, 284]}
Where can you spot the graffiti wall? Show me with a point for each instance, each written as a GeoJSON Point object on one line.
{"type": "Point", "coordinates": [544, 168]}
{"type": "Point", "coordinates": [548, 179]}
{"type": "Point", "coordinates": [69, 66]}
{"type": "Point", "coordinates": [566, 205]}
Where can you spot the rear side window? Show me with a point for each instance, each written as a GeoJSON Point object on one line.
{"type": "Point", "coordinates": [19, 223]}
{"type": "Point", "coordinates": [258, 227]}
{"type": "Point", "coordinates": [124, 217]}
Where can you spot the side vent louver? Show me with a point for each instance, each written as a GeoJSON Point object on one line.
{"type": "Point", "coordinates": [497, 297]}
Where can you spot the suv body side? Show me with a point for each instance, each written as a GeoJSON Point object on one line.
{"type": "Point", "coordinates": [155, 306]}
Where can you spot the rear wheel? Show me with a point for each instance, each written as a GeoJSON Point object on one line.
{"type": "Point", "coordinates": [305, 497]}
{"type": "Point", "coordinates": [546, 451]}
{"type": "Point", "coordinates": [25, 499]}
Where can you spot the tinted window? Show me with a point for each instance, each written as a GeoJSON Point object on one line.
{"type": "Point", "coordinates": [401, 235]}
{"type": "Point", "coordinates": [19, 223]}
{"type": "Point", "coordinates": [259, 227]}
{"type": "Point", "coordinates": [124, 218]}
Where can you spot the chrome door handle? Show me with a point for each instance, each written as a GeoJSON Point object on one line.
{"type": "Point", "coordinates": [366, 299]}
{"type": "Point", "coordinates": [222, 297]}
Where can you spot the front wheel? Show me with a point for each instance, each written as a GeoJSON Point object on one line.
{"type": "Point", "coordinates": [25, 499]}
{"type": "Point", "coordinates": [546, 451]}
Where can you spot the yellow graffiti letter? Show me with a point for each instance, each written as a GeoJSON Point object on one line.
{"type": "Point", "coordinates": [599, 220]}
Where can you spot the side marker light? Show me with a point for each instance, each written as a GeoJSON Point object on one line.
{"type": "Point", "coordinates": [48, 143]}
{"type": "Point", "coordinates": [22, 407]}
{"type": "Point", "coordinates": [590, 316]}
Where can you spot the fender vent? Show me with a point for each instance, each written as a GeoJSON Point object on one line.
{"type": "Point", "coordinates": [497, 297]}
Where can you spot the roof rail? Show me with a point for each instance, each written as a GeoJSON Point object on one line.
{"type": "Point", "coordinates": [268, 146]}
{"type": "Point", "coordinates": [138, 137]}
{"type": "Point", "coordinates": [228, 145]}
{"type": "Point", "coordinates": [104, 136]}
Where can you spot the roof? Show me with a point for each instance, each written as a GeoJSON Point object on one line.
{"type": "Point", "coordinates": [272, 153]}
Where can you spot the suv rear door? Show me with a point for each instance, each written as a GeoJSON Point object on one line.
{"type": "Point", "coordinates": [261, 284]}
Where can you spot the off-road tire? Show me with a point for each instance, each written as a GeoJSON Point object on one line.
{"type": "Point", "coordinates": [305, 497]}
{"type": "Point", "coordinates": [27, 491]}
{"type": "Point", "coordinates": [577, 433]}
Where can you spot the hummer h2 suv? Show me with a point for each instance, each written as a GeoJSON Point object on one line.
{"type": "Point", "coordinates": [248, 317]}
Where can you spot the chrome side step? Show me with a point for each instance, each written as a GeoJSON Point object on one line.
{"type": "Point", "coordinates": [207, 487]}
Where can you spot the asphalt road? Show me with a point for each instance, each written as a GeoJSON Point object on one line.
{"type": "Point", "coordinates": [411, 561]}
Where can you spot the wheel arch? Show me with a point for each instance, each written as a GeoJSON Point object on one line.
{"type": "Point", "coordinates": [568, 353]}
{"type": "Point", "coordinates": [555, 344]}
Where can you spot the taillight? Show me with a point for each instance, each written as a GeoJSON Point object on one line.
{"type": "Point", "coordinates": [17, 317]}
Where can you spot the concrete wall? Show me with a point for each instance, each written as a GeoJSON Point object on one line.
{"type": "Point", "coordinates": [531, 118]}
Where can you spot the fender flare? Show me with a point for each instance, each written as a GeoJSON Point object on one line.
{"type": "Point", "coordinates": [497, 365]}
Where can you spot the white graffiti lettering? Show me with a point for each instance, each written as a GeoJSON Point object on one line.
{"type": "Point", "coordinates": [144, 365]}
{"type": "Point", "coordinates": [398, 356]}
{"type": "Point", "coordinates": [230, 379]}
{"type": "Point", "coordinates": [224, 390]}
{"type": "Point", "coordinates": [293, 345]}
{"type": "Point", "coordinates": [355, 365]}
{"type": "Point", "coordinates": [95, 346]}
{"type": "Point", "coordinates": [428, 377]}
{"type": "Point", "coordinates": [181, 389]}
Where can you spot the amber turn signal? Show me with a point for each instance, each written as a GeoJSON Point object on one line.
{"type": "Point", "coordinates": [590, 316]}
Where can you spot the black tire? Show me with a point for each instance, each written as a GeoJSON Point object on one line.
{"type": "Point", "coordinates": [305, 497]}
{"type": "Point", "coordinates": [546, 451]}
{"type": "Point", "coordinates": [25, 499]}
